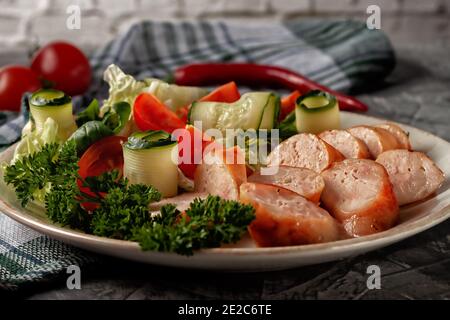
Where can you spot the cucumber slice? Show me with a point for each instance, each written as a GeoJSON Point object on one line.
{"type": "Point", "coordinates": [317, 111]}
{"type": "Point", "coordinates": [254, 110]}
{"type": "Point", "coordinates": [49, 103]}
{"type": "Point", "coordinates": [49, 97]}
{"type": "Point", "coordinates": [150, 159]}
{"type": "Point", "coordinates": [271, 111]}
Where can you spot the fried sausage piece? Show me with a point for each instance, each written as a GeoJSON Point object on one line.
{"type": "Point", "coordinates": [304, 150]}
{"type": "Point", "coordinates": [347, 144]}
{"type": "Point", "coordinates": [284, 218]}
{"type": "Point", "coordinates": [358, 193]}
{"type": "Point", "coordinates": [377, 140]}
{"type": "Point", "coordinates": [221, 173]}
{"type": "Point", "coordinates": [302, 181]}
{"type": "Point", "coordinates": [181, 201]}
{"type": "Point", "coordinates": [413, 175]}
{"type": "Point", "coordinates": [400, 134]}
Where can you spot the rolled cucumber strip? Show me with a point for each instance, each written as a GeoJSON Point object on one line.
{"type": "Point", "coordinates": [254, 110]}
{"type": "Point", "coordinates": [150, 158]}
{"type": "Point", "coordinates": [317, 111]}
{"type": "Point", "coordinates": [55, 104]}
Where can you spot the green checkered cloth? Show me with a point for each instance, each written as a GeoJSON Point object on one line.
{"type": "Point", "coordinates": [343, 55]}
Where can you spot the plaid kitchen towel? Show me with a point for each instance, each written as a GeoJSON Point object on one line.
{"type": "Point", "coordinates": [343, 55]}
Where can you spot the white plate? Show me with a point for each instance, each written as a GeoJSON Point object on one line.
{"type": "Point", "coordinates": [414, 219]}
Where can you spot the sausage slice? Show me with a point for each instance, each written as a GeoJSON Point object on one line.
{"type": "Point", "coordinates": [181, 201]}
{"type": "Point", "coordinates": [400, 134]}
{"type": "Point", "coordinates": [413, 175]}
{"type": "Point", "coordinates": [221, 173]}
{"type": "Point", "coordinates": [304, 150]}
{"type": "Point", "coordinates": [302, 181]}
{"type": "Point", "coordinates": [284, 218]}
{"type": "Point", "coordinates": [350, 146]}
{"type": "Point", "coordinates": [358, 193]}
{"type": "Point", "coordinates": [377, 140]}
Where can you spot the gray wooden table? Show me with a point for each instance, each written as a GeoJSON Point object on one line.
{"type": "Point", "coordinates": [417, 93]}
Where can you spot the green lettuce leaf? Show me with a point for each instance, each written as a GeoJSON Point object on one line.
{"type": "Point", "coordinates": [173, 96]}
{"type": "Point", "coordinates": [122, 88]}
{"type": "Point", "coordinates": [91, 113]}
{"type": "Point", "coordinates": [117, 117]}
{"type": "Point", "coordinates": [89, 133]}
{"type": "Point", "coordinates": [34, 140]}
{"type": "Point", "coordinates": [125, 88]}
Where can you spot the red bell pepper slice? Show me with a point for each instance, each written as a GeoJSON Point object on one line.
{"type": "Point", "coordinates": [151, 114]}
{"type": "Point", "coordinates": [288, 104]}
{"type": "Point", "coordinates": [228, 92]}
{"type": "Point", "coordinates": [194, 142]}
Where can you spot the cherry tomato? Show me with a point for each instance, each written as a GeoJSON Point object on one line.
{"type": "Point", "coordinates": [288, 104]}
{"type": "Point", "coordinates": [14, 82]}
{"type": "Point", "coordinates": [104, 155]}
{"type": "Point", "coordinates": [151, 114]}
{"type": "Point", "coordinates": [64, 66]}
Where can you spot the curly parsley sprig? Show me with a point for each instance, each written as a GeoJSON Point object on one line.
{"type": "Point", "coordinates": [207, 223]}
{"type": "Point", "coordinates": [52, 165]}
{"type": "Point", "coordinates": [122, 209]}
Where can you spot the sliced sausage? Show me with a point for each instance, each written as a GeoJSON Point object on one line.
{"type": "Point", "coordinates": [377, 140]}
{"type": "Point", "coordinates": [304, 150]}
{"type": "Point", "coordinates": [184, 182]}
{"type": "Point", "coordinates": [347, 144]}
{"type": "Point", "coordinates": [181, 201]}
{"type": "Point", "coordinates": [400, 134]}
{"type": "Point", "coordinates": [284, 218]}
{"type": "Point", "coordinates": [302, 181]}
{"type": "Point", "coordinates": [221, 173]}
{"type": "Point", "coordinates": [413, 175]}
{"type": "Point", "coordinates": [359, 194]}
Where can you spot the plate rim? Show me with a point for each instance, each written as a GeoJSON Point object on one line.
{"type": "Point", "coordinates": [393, 234]}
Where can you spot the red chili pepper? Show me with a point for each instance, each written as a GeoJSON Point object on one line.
{"type": "Point", "coordinates": [250, 74]}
